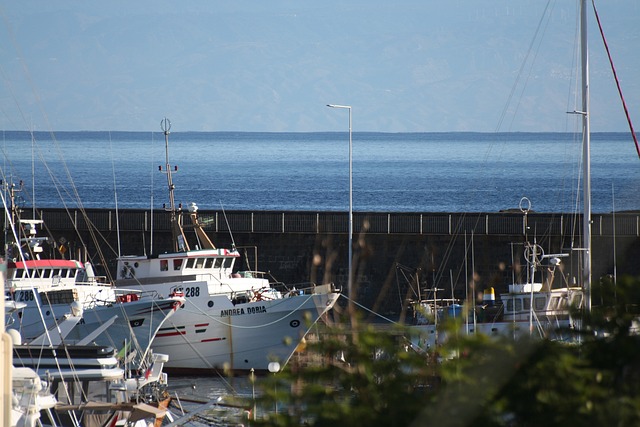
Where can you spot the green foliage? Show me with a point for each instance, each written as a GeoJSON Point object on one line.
{"type": "Point", "coordinates": [364, 376]}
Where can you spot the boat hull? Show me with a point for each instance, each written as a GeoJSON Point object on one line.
{"type": "Point", "coordinates": [140, 319]}
{"type": "Point", "coordinates": [212, 333]}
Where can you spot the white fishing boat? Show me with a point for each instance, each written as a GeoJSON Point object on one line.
{"type": "Point", "coordinates": [532, 308]}
{"type": "Point", "coordinates": [231, 319]}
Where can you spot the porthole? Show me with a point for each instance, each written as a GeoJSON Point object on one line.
{"type": "Point", "coordinates": [210, 304]}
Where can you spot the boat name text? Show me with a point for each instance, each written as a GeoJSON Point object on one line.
{"type": "Point", "coordinates": [244, 310]}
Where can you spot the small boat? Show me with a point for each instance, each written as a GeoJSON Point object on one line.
{"type": "Point", "coordinates": [231, 319]}
{"type": "Point", "coordinates": [91, 388]}
{"type": "Point", "coordinates": [525, 310]}
{"type": "Point", "coordinates": [533, 308]}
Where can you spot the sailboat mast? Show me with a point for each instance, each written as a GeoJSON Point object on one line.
{"type": "Point", "coordinates": [586, 157]}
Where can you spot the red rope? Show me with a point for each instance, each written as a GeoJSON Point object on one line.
{"type": "Point", "coordinates": [615, 76]}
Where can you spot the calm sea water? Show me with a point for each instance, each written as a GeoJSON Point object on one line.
{"type": "Point", "coordinates": [416, 172]}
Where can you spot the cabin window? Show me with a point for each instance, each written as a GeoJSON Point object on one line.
{"type": "Point", "coordinates": [518, 306]}
{"type": "Point", "coordinates": [164, 265]}
{"type": "Point", "coordinates": [66, 296]}
{"type": "Point", "coordinates": [199, 262]}
{"type": "Point", "coordinates": [526, 303]}
{"type": "Point", "coordinates": [539, 302]}
{"type": "Point", "coordinates": [209, 263]}
{"type": "Point", "coordinates": [554, 303]}
{"type": "Point", "coordinates": [46, 273]}
{"type": "Point", "coordinates": [218, 262]}
{"type": "Point", "coordinates": [190, 263]}
{"type": "Point", "coordinates": [562, 303]}
{"type": "Point", "coordinates": [177, 264]}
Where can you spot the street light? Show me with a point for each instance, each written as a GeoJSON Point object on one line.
{"type": "Point", "coordinates": [349, 280]}
{"type": "Point", "coordinates": [274, 367]}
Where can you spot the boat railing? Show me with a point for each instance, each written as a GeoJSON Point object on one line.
{"type": "Point", "coordinates": [129, 295]}
{"type": "Point", "coordinates": [122, 295]}
{"type": "Point", "coordinates": [103, 284]}
{"type": "Point", "coordinates": [305, 288]}
{"type": "Point", "coordinates": [250, 274]}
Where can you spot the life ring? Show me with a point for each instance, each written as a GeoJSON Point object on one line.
{"type": "Point", "coordinates": [177, 292]}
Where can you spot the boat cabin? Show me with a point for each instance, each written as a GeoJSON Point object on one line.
{"type": "Point", "coordinates": [212, 262]}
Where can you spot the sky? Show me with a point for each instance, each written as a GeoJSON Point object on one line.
{"type": "Point", "coordinates": [272, 66]}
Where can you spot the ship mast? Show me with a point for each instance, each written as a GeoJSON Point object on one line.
{"type": "Point", "coordinates": [586, 158]}
{"type": "Point", "coordinates": [179, 240]}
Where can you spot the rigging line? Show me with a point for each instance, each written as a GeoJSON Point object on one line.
{"type": "Point", "coordinates": [76, 197]}
{"type": "Point", "coordinates": [30, 274]}
{"type": "Point", "coordinates": [226, 220]}
{"type": "Point", "coordinates": [38, 102]}
{"type": "Point", "coordinates": [520, 71]}
{"type": "Point", "coordinates": [368, 309]}
{"type": "Point", "coordinates": [33, 173]}
{"type": "Point", "coordinates": [535, 55]}
{"type": "Point", "coordinates": [151, 204]}
{"type": "Point", "coordinates": [115, 193]}
{"type": "Point", "coordinates": [615, 76]}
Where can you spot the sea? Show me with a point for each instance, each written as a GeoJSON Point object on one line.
{"type": "Point", "coordinates": [390, 172]}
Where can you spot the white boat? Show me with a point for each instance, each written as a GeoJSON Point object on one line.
{"type": "Point", "coordinates": [231, 319]}
{"type": "Point", "coordinates": [91, 387]}
{"type": "Point", "coordinates": [533, 308]}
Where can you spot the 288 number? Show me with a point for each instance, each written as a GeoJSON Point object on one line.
{"type": "Point", "coordinates": [192, 292]}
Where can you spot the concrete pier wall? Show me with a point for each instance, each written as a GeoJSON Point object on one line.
{"type": "Point", "coordinates": [463, 252]}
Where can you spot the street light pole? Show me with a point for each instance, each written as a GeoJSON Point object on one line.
{"type": "Point", "coordinates": [350, 279]}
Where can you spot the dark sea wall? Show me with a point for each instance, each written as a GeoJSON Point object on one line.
{"type": "Point", "coordinates": [455, 253]}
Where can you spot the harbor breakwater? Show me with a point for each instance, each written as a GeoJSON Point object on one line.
{"type": "Point", "coordinates": [451, 252]}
